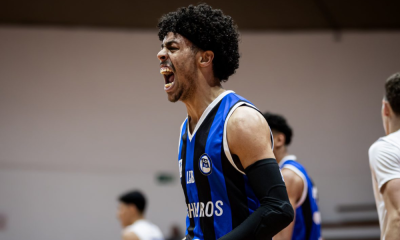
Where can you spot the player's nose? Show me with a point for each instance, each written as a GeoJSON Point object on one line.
{"type": "Point", "coordinates": [162, 55]}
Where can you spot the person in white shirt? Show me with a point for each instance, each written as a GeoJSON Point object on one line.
{"type": "Point", "coordinates": [131, 216]}
{"type": "Point", "coordinates": [384, 158]}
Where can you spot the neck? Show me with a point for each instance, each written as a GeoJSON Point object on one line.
{"type": "Point", "coordinates": [280, 153]}
{"type": "Point", "coordinates": [199, 101]}
{"type": "Point", "coordinates": [394, 125]}
{"type": "Point", "coordinates": [134, 219]}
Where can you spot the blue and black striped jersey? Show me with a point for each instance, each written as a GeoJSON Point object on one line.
{"type": "Point", "coordinates": [217, 193]}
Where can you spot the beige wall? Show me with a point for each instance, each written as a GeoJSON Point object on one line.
{"type": "Point", "coordinates": [84, 117]}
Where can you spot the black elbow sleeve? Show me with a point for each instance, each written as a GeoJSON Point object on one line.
{"type": "Point", "coordinates": [266, 179]}
{"type": "Point", "coordinates": [267, 183]}
{"type": "Point", "coordinates": [275, 211]}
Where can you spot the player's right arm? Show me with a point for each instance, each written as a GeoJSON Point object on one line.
{"type": "Point", "coordinates": [294, 187]}
{"type": "Point", "coordinates": [391, 197]}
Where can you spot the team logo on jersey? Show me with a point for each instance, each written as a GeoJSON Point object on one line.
{"type": "Point", "coordinates": [189, 177]}
{"type": "Point", "coordinates": [205, 164]}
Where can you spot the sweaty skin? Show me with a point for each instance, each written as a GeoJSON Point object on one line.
{"type": "Point", "coordinates": [176, 55]}
{"type": "Point", "coordinates": [194, 84]}
{"type": "Point", "coordinates": [249, 136]}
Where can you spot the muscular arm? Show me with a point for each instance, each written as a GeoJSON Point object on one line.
{"type": "Point", "coordinates": [248, 137]}
{"type": "Point", "coordinates": [294, 186]}
{"type": "Point", "coordinates": [391, 196]}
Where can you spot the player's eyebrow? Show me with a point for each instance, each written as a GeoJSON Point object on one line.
{"type": "Point", "coordinates": [169, 43]}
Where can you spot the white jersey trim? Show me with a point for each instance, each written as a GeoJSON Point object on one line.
{"type": "Point", "coordinates": [180, 136]}
{"type": "Point", "coordinates": [225, 140]}
{"type": "Point", "coordinates": [206, 112]}
{"type": "Point", "coordinates": [286, 158]}
{"type": "Point", "coordinates": [301, 175]}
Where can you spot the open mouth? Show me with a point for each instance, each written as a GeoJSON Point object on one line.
{"type": "Point", "coordinates": [169, 77]}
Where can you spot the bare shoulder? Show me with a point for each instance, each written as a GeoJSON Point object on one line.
{"type": "Point", "coordinates": [246, 123]}
{"type": "Point", "coordinates": [245, 116]}
{"type": "Point", "coordinates": [129, 236]}
{"type": "Point", "coordinates": [248, 135]}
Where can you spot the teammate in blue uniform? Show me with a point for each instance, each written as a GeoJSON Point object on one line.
{"type": "Point", "coordinates": [301, 190]}
{"type": "Point", "coordinates": [231, 181]}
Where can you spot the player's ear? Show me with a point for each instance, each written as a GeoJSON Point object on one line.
{"type": "Point", "coordinates": [386, 109]}
{"type": "Point", "coordinates": [206, 58]}
{"type": "Point", "coordinates": [133, 209]}
{"type": "Point", "coordinates": [279, 139]}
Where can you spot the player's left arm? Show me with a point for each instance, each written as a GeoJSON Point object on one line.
{"type": "Point", "coordinates": [248, 136]}
{"type": "Point", "coordinates": [391, 197]}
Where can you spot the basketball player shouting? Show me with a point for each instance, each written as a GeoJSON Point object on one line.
{"type": "Point", "coordinates": [384, 159]}
{"type": "Point", "coordinates": [230, 178]}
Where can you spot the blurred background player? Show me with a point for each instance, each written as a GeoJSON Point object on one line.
{"type": "Point", "coordinates": [302, 193]}
{"type": "Point", "coordinates": [131, 215]}
{"type": "Point", "coordinates": [384, 158]}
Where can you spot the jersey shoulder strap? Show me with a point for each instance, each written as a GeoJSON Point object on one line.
{"type": "Point", "coordinates": [232, 102]}
{"type": "Point", "coordinates": [301, 172]}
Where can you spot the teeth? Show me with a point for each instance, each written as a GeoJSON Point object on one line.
{"type": "Point", "coordinates": [165, 70]}
{"type": "Point", "coordinates": [168, 85]}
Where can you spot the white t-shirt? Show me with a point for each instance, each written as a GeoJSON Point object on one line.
{"type": "Point", "coordinates": [145, 230]}
{"type": "Point", "coordinates": [384, 160]}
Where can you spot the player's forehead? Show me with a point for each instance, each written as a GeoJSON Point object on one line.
{"type": "Point", "coordinates": [123, 206]}
{"type": "Point", "coordinates": [175, 38]}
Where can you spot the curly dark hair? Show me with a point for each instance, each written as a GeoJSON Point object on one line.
{"type": "Point", "coordinates": [392, 95]}
{"type": "Point", "coordinates": [207, 29]}
{"type": "Point", "coordinates": [278, 123]}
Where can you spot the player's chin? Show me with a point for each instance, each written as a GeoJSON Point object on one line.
{"type": "Point", "coordinates": [173, 97]}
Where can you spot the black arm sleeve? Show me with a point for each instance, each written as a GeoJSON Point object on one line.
{"type": "Point", "coordinates": [275, 211]}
